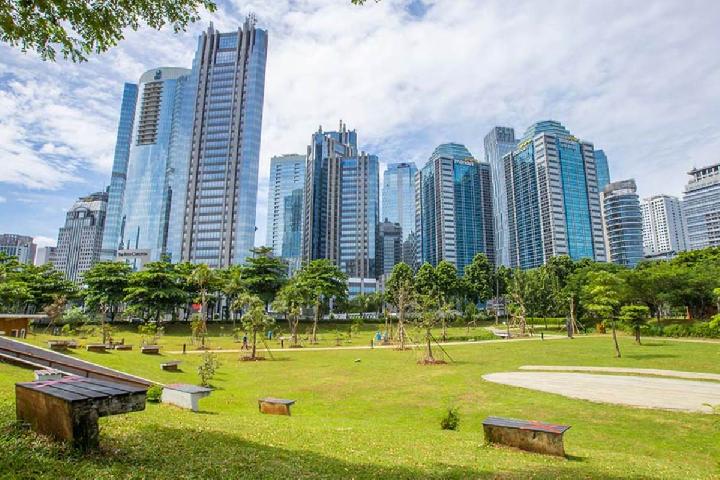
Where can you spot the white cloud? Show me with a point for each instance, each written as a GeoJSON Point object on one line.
{"type": "Point", "coordinates": [41, 241]}
{"type": "Point", "coordinates": [638, 79]}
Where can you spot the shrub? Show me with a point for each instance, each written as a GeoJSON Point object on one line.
{"type": "Point", "coordinates": [451, 420]}
{"type": "Point", "coordinates": [154, 393]}
{"type": "Point", "coordinates": [206, 369]}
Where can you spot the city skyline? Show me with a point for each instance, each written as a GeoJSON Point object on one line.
{"type": "Point", "coordinates": [652, 131]}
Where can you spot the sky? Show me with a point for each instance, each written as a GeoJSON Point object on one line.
{"type": "Point", "coordinates": [641, 80]}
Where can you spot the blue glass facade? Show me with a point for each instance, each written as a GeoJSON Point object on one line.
{"type": "Point", "coordinates": [147, 192]}
{"type": "Point", "coordinates": [116, 192]}
{"type": "Point", "coordinates": [623, 223]}
{"type": "Point", "coordinates": [603, 170]}
{"type": "Point", "coordinates": [398, 196]}
{"type": "Point", "coordinates": [454, 207]}
{"type": "Point", "coordinates": [552, 197]}
{"type": "Point", "coordinates": [285, 207]}
{"type": "Point", "coordinates": [498, 143]}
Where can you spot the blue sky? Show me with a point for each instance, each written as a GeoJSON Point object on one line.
{"type": "Point", "coordinates": [639, 79]}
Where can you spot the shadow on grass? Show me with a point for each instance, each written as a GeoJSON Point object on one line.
{"type": "Point", "coordinates": [645, 356]}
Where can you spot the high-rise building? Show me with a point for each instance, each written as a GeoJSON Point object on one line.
{"type": "Point", "coordinates": [285, 207]}
{"type": "Point", "coordinates": [116, 192]}
{"type": "Point", "coordinates": [663, 226]}
{"type": "Point", "coordinates": [80, 240]}
{"type": "Point", "coordinates": [701, 207]}
{"type": "Point", "coordinates": [342, 206]}
{"type": "Point", "coordinates": [552, 198]}
{"type": "Point", "coordinates": [44, 255]}
{"type": "Point", "coordinates": [390, 245]}
{"type": "Point", "coordinates": [20, 246]}
{"type": "Point", "coordinates": [622, 222]}
{"type": "Point", "coordinates": [454, 207]}
{"type": "Point", "coordinates": [398, 196]}
{"type": "Point", "coordinates": [219, 204]}
{"type": "Point", "coordinates": [498, 143]}
{"type": "Point", "coordinates": [143, 224]}
{"type": "Point", "coordinates": [603, 169]}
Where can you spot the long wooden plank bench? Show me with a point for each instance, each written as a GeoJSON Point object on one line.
{"type": "Point", "coordinates": [527, 435]}
{"type": "Point", "coordinates": [150, 349]}
{"type": "Point", "coordinates": [68, 409]}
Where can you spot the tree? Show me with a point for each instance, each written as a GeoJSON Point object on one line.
{"type": "Point", "coordinates": [635, 316]}
{"type": "Point", "coordinates": [324, 280]}
{"type": "Point", "coordinates": [203, 278]}
{"type": "Point", "coordinates": [263, 274]}
{"type": "Point", "coordinates": [479, 278]}
{"type": "Point", "coordinates": [254, 318]}
{"type": "Point", "coordinates": [520, 291]}
{"type": "Point", "coordinates": [290, 300]}
{"type": "Point", "coordinates": [602, 295]}
{"type": "Point", "coordinates": [400, 288]}
{"type": "Point", "coordinates": [447, 287]}
{"type": "Point", "coordinates": [430, 313]}
{"type": "Point", "coordinates": [154, 291]}
{"type": "Point", "coordinates": [80, 28]}
{"type": "Point", "coordinates": [105, 289]}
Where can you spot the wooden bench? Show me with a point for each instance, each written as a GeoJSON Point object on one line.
{"type": "Point", "coordinates": [150, 349]}
{"type": "Point", "coordinates": [68, 409]}
{"type": "Point", "coordinates": [122, 346]}
{"type": "Point", "coordinates": [527, 435]}
{"type": "Point", "coordinates": [184, 396]}
{"type": "Point", "coordinates": [96, 347]}
{"type": "Point", "coordinates": [275, 406]}
{"type": "Point", "coordinates": [171, 366]}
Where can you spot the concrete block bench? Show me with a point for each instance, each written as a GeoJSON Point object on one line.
{"type": "Point", "coordinates": [58, 345]}
{"type": "Point", "coordinates": [96, 347]}
{"type": "Point", "coordinates": [527, 435]}
{"type": "Point", "coordinates": [68, 409]}
{"type": "Point", "coordinates": [171, 366]}
{"type": "Point", "coordinates": [47, 374]}
{"type": "Point", "coordinates": [275, 406]}
{"type": "Point", "coordinates": [184, 395]}
{"type": "Point", "coordinates": [123, 347]}
{"type": "Point", "coordinates": [150, 349]}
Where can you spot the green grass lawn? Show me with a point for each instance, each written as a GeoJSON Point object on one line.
{"type": "Point", "coordinates": [379, 418]}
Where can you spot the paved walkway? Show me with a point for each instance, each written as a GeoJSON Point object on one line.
{"type": "Point", "coordinates": [634, 391]}
{"type": "Point", "coordinates": [367, 347]}
{"type": "Point", "coordinates": [640, 371]}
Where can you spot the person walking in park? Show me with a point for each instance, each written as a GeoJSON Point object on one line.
{"type": "Point", "coordinates": [245, 345]}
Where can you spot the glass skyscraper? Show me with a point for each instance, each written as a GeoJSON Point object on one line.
{"type": "Point", "coordinates": [603, 170]}
{"type": "Point", "coordinates": [146, 205]}
{"type": "Point", "coordinates": [701, 207]}
{"type": "Point", "coordinates": [285, 207]}
{"type": "Point", "coordinates": [552, 197]}
{"type": "Point", "coordinates": [622, 222]}
{"type": "Point", "coordinates": [398, 201]}
{"type": "Point", "coordinates": [219, 206]}
{"type": "Point", "coordinates": [114, 221]}
{"type": "Point", "coordinates": [498, 142]}
{"type": "Point", "coordinates": [454, 207]}
{"type": "Point", "coordinates": [342, 206]}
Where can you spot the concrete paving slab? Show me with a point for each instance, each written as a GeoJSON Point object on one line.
{"type": "Point", "coordinates": [631, 390]}
{"type": "Point", "coordinates": [639, 371]}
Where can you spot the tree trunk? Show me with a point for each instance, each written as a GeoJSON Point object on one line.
{"type": "Point", "coordinates": [294, 331]}
{"type": "Point", "coordinates": [444, 329]}
{"type": "Point", "coordinates": [614, 335]}
{"type": "Point", "coordinates": [401, 327]}
{"type": "Point", "coordinates": [429, 347]}
{"type": "Point", "coordinates": [315, 323]}
{"type": "Point", "coordinates": [254, 344]}
{"type": "Point", "coordinates": [637, 335]}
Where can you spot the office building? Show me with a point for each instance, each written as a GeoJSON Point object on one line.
{"type": "Point", "coordinates": [552, 198]}
{"type": "Point", "coordinates": [220, 200]}
{"type": "Point", "coordinates": [701, 207]}
{"type": "Point", "coordinates": [44, 255]}
{"type": "Point", "coordinates": [341, 206]}
{"type": "Point", "coordinates": [454, 207]}
{"type": "Point", "coordinates": [143, 225]}
{"type": "Point", "coordinates": [20, 246]}
{"type": "Point", "coordinates": [80, 240]}
{"type": "Point", "coordinates": [622, 223]}
{"type": "Point", "coordinates": [603, 170]}
{"type": "Point", "coordinates": [663, 226]}
{"type": "Point", "coordinates": [285, 207]}
{"type": "Point", "coordinates": [390, 247]}
{"type": "Point", "coordinates": [498, 143]}
{"type": "Point", "coordinates": [116, 192]}
{"type": "Point", "coordinates": [398, 196]}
